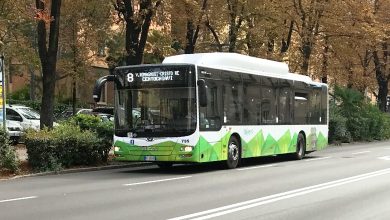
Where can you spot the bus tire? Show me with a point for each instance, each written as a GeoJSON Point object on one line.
{"type": "Point", "coordinates": [301, 148]}
{"type": "Point", "coordinates": [164, 165]}
{"type": "Point", "coordinates": [233, 153]}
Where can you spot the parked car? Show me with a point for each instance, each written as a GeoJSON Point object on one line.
{"type": "Point", "coordinates": [26, 116]}
{"type": "Point", "coordinates": [14, 130]}
{"type": "Point", "coordinates": [86, 111]}
{"type": "Point", "coordinates": [104, 110]}
{"type": "Point", "coordinates": [104, 117]}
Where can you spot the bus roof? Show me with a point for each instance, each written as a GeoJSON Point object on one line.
{"type": "Point", "coordinates": [240, 63]}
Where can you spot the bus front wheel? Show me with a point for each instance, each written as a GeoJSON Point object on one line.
{"type": "Point", "coordinates": [233, 153]}
{"type": "Point", "coordinates": [301, 147]}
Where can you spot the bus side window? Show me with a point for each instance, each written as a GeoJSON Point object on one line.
{"type": "Point", "coordinates": [324, 104]}
{"type": "Point", "coordinates": [284, 106]}
{"type": "Point", "coordinates": [300, 108]}
{"type": "Point", "coordinates": [232, 98]}
{"type": "Point", "coordinates": [268, 108]}
{"type": "Point", "coordinates": [251, 99]}
{"type": "Point", "coordinates": [315, 107]}
{"type": "Point", "coordinates": [210, 116]}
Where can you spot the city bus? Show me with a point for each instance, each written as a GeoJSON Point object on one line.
{"type": "Point", "coordinates": [196, 108]}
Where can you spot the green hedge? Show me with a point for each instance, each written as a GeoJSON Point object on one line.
{"type": "Point", "coordinates": [338, 131]}
{"type": "Point", "coordinates": [65, 146]}
{"type": "Point", "coordinates": [103, 129]}
{"type": "Point", "coordinates": [354, 119]}
{"type": "Point", "coordinates": [8, 157]}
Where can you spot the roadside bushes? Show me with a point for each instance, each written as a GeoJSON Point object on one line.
{"type": "Point", "coordinates": [8, 157]}
{"type": "Point", "coordinates": [354, 119]}
{"type": "Point", "coordinates": [77, 142]}
{"type": "Point", "coordinates": [338, 131]}
{"type": "Point", "coordinates": [103, 129]}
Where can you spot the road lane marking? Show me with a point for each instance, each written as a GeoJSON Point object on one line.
{"type": "Point", "coordinates": [384, 158]}
{"type": "Point", "coordinates": [277, 197]}
{"type": "Point", "coordinates": [314, 159]}
{"type": "Point", "coordinates": [18, 199]}
{"type": "Point", "coordinates": [361, 152]}
{"type": "Point", "coordinates": [256, 167]}
{"type": "Point", "coordinates": [156, 181]}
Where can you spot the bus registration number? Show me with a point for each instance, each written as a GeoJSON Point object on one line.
{"type": "Point", "coordinates": [150, 158]}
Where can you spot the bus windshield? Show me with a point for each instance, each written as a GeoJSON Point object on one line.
{"type": "Point", "coordinates": [156, 112]}
{"type": "Point", "coordinates": [156, 101]}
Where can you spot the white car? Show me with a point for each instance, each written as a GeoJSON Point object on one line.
{"type": "Point", "coordinates": [26, 116]}
{"type": "Point", "coordinates": [14, 131]}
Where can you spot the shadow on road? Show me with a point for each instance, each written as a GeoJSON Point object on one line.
{"type": "Point", "coordinates": [188, 169]}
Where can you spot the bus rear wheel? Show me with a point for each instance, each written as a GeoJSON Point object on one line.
{"type": "Point", "coordinates": [301, 148]}
{"type": "Point", "coordinates": [233, 153]}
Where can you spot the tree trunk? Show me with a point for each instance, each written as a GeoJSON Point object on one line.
{"type": "Point", "coordinates": [48, 56]}
{"type": "Point", "coordinates": [382, 94]}
{"type": "Point", "coordinates": [324, 68]}
{"type": "Point", "coordinates": [306, 53]}
{"type": "Point", "coordinates": [382, 80]}
{"type": "Point", "coordinates": [47, 106]}
{"type": "Point", "coordinates": [235, 21]}
{"type": "Point", "coordinates": [190, 46]}
{"type": "Point", "coordinates": [137, 28]}
{"type": "Point", "coordinates": [192, 32]}
{"type": "Point", "coordinates": [286, 43]}
{"type": "Point", "coordinates": [74, 95]}
{"type": "Point", "coordinates": [215, 35]}
{"type": "Point", "coordinates": [32, 82]}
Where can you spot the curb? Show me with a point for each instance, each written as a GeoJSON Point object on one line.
{"type": "Point", "coordinates": [81, 170]}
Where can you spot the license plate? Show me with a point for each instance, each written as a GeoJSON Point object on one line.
{"type": "Point", "coordinates": [150, 158]}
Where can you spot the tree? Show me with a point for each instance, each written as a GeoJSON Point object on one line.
{"type": "Point", "coordinates": [137, 18]}
{"type": "Point", "coordinates": [85, 25]}
{"type": "Point", "coordinates": [18, 36]}
{"type": "Point", "coordinates": [194, 12]}
{"type": "Point", "coordinates": [381, 51]}
{"type": "Point", "coordinates": [48, 33]}
{"type": "Point", "coordinates": [308, 17]}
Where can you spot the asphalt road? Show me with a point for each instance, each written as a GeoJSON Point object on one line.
{"type": "Point", "coordinates": [348, 182]}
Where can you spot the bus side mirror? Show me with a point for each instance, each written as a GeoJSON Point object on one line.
{"type": "Point", "coordinates": [202, 93]}
{"type": "Point", "coordinates": [97, 90]}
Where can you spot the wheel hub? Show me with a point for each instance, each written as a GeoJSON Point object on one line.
{"type": "Point", "coordinates": [233, 151]}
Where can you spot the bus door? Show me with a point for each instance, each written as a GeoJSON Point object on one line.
{"type": "Point", "coordinates": [210, 119]}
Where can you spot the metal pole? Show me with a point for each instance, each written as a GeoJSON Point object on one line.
{"type": "Point", "coordinates": [3, 89]}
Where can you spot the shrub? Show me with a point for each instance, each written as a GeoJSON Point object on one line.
{"type": "Point", "coordinates": [41, 150]}
{"type": "Point", "coordinates": [65, 146]}
{"type": "Point", "coordinates": [355, 119]}
{"type": "Point", "coordinates": [21, 94]}
{"type": "Point", "coordinates": [385, 130]}
{"type": "Point", "coordinates": [103, 129]}
{"type": "Point", "coordinates": [8, 157]}
{"type": "Point", "coordinates": [338, 131]}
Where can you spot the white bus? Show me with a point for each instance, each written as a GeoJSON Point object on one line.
{"type": "Point", "coordinates": [215, 107]}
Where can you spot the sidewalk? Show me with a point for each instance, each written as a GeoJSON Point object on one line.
{"type": "Point", "coordinates": [26, 171]}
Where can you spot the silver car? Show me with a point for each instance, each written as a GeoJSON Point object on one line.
{"type": "Point", "coordinates": [14, 131]}
{"type": "Point", "coordinates": [25, 116]}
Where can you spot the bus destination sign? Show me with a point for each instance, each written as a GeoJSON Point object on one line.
{"type": "Point", "coordinates": [158, 76]}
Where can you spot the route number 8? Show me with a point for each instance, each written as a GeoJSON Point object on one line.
{"type": "Point", "coordinates": [130, 77]}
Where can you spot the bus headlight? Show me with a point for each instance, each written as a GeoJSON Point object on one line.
{"type": "Point", "coordinates": [187, 148]}
{"type": "Point", "coordinates": [117, 148]}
